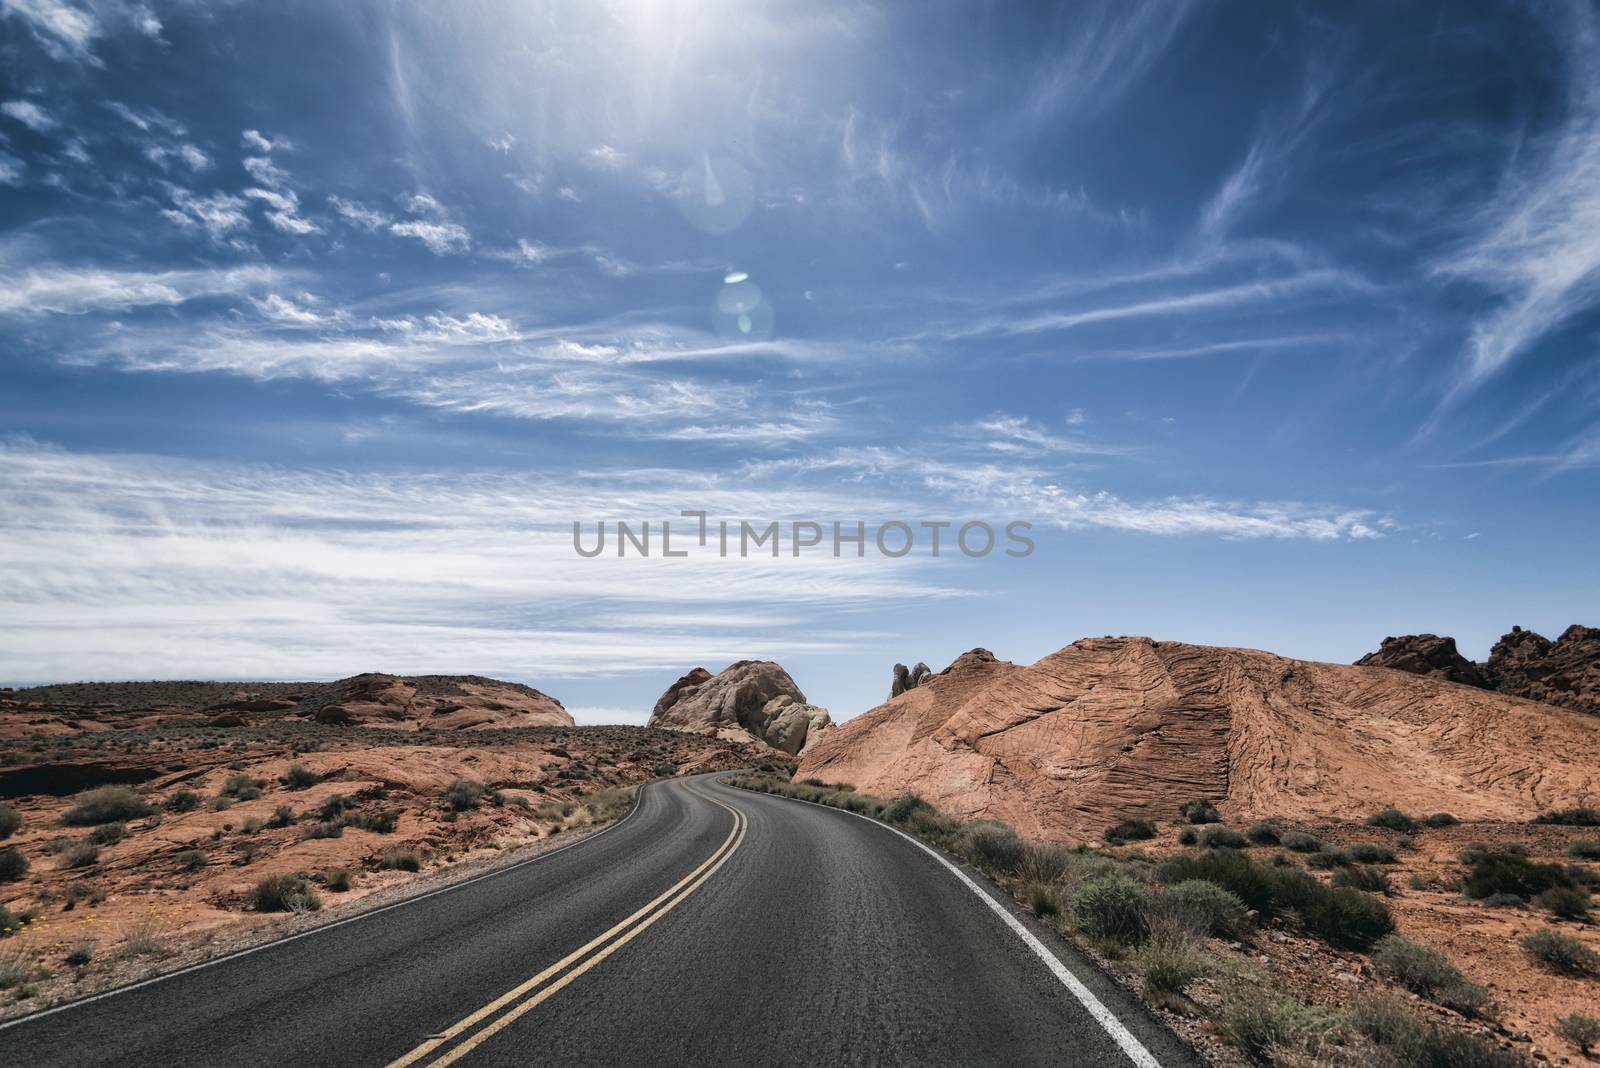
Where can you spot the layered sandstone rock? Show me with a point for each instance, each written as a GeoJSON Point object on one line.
{"type": "Point", "coordinates": [1426, 654]}
{"type": "Point", "coordinates": [750, 699]}
{"type": "Point", "coordinates": [455, 702]}
{"type": "Point", "coordinates": [1110, 728]}
{"type": "Point", "coordinates": [1564, 672]}
{"type": "Point", "coordinates": [908, 678]}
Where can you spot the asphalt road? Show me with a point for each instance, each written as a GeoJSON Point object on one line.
{"type": "Point", "coordinates": [711, 927]}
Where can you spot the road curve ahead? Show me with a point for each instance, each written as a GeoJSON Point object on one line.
{"type": "Point", "coordinates": [710, 927]}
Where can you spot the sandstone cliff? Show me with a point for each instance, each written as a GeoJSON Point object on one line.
{"type": "Point", "coordinates": [750, 699]}
{"type": "Point", "coordinates": [1563, 672]}
{"type": "Point", "coordinates": [1110, 728]}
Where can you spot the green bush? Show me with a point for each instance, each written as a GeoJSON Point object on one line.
{"type": "Point", "coordinates": [1208, 909]}
{"type": "Point", "coordinates": [1250, 882]}
{"type": "Point", "coordinates": [1584, 848]}
{"type": "Point", "coordinates": [1393, 819]}
{"type": "Point", "coordinates": [1404, 1041]}
{"type": "Point", "coordinates": [1265, 833]}
{"type": "Point", "coordinates": [192, 860]}
{"type": "Point", "coordinates": [80, 855]}
{"type": "Point", "coordinates": [1046, 862]}
{"type": "Point", "coordinates": [1111, 907]}
{"type": "Point", "coordinates": [333, 807]}
{"type": "Point", "coordinates": [993, 846]}
{"type": "Point", "coordinates": [324, 829]}
{"type": "Point", "coordinates": [1263, 1023]}
{"type": "Point", "coordinates": [1560, 953]}
{"type": "Point", "coordinates": [1508, 873]}
{"type": "Point", "coordinates": [10, 821]}
{"type": "Point", "coordinates": [1346, 917]}
{"type": "Point", "coordinates": [1188, 836]}
{"type": "Point", "coordinates": [1301, 842]}
{"type": "Point", "coordinates": [1582, 816]}
{"type": "Point", "coordinates": [376, 822]}
{"type": "Point", "coordinates": [464, 794]}
{"type": "Point", "coordinates": [1371, 853]}
{"type": "Point", "coordinates": [1042, 899]}
{"type": "Point", "coordinates": [105, 804]}
{"type": "Point", "coordinates": [340, 879]}
{"type": "Point", "coordinates": [1567, 902]}
{"type": "Point", "coordinates": [1427, 972]}
{"type": "Point", "coordinates": [182, 801]}
{"type": "Point", "coordinates": [1581, 1029]}
{"type": "Point", "coordinates": [1200, 812]}
{"type": "Point", "coordinates": [299, 777]}
{"type": "Point", "coordinates": [1130, 830]}
{"type": "Point", "coordinates": [903, 807]}
{"type": "Point", "coordinates": [239, 785]}
{"type": "Point", "coordinates": [282, 816]}
{"type": "Point", "coordinates": [13, 865]}
{"type": "Point", "coordinates": [108, 833]}
{"type": "Point", "coordinates": [285, 893]}
{"type": "Point", "coordinates": [1223, 838]}
{"type": "Point", "coordinates": [1169, 963]}
{"type": "Point", "coordinates": [1359, 877]}
{"type": "Point", "coordinates": [1328, 857]}
{"type": "Point", "coordinates": [1440, 819]}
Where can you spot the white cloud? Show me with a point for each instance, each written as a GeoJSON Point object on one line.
{"type": "Point", "coordinates": [283, 210]}
{"type": "Point", "coordinates": [77, 290]}
{"type": "Point", "coordinates": [607, 157]}
{"type": "Point", "coordinates": [441, 238]}
{"type": "Point", "coordinates": [147, 120]}
{"type": "Point", "coordinates": [219, 214]}
{"type": "Point", "coordinates": [66, 31]}
{"type": "Point", "coordinates": [185, 153]}
{"type": "Point", "coordinates": [355, 212]}
{"type": "Point", "coordinates": [29, 114]}
{"type": "Point", "coordinates": [423, 204]}
{"type": "Point", "coordinates": [11, 169]}
{"type": "Point", "coordinates": [285, 310]}
{"type": "Point", "coordinates": [256, 141]}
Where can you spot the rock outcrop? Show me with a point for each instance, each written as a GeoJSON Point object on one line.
{"type": "Point", "coordinates": [455, 702]}
{"type": "Point", "coordinates": [1111, 728]}
{"type": "Point", "coordinates": [908, 679]}
{"type": "Point", "coordinates": [1564, 672]}
{"type": "Point", "coordinates": [1427, 654]}
{"type": "Point", "coordinates": [750, 699]}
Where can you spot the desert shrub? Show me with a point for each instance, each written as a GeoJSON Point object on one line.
{"type": "Point", "coordinates": [10, 821]}
{"type": "Point", "coordinates": [182, 801]}
{"type": "Point", "coordinates": [1567, 902]}
{"type": "Point", "coordinates": [377, 822]}
{"type": "Point", "coordinates": [1042, 899]}
{"type": "Point", "coordinates": [1346, 917]}
{"type": "Point", "coordinates": [221, 803]}
{"type": "Point", "coordinates": [192, 860]}
{"type": "Point", "coordinates": [285, 893]}
{"type": "Point", "coordinates": [1301, 842]}
{"type": "Point", "coordinates": [1252, 883]}
{"type": "Point", "coordinates": [1584, 848]}
{"type": "Point", "coordinates": [251, 826]}
{"type": "Point", "coordinates": [282, 816]}
{"type": "Point", "coordinates": [13, 865]}
{"type": "Point", "coordinates": [1264, 833]}
{"type": "Point", "coordinates": [1508, 873]}
{"type": "Point", "coordinates": [1428, 973]}
{"type": "Point", "coordinates": [324, 829]}
{"type": "Point", "coordinates": [992, 846]}
{"type": "Point", "coordinates": [10, 923]}
{"type": "Point", "coordinates": [1111, 907]}
{"type": "Point", "coordinates": [1129, 830]}
{"type": "Point", "coordinates": [1404, 1041]}
{"type": "Point", "coordinates": [105, 804]}
{"type": "Point", "coordinates": [1208, 909]}
{"type": "Point", "coordinates": [1581, 1029]}
{"type": "Point", "coordinates": [1371, 853]}
{"type": "Point", "coordinates": [80, 953]}
{"type": "Point", "coordinates": [108, 833]}
{"type": "Point", "coordinates": [1168, 963]}
{"type": "Point", "coordinates": [239, 785]}
{"type": "Point", "coordinates": [80, 855]}
{"type": "Point", "coordinates": [340, 879]}
{"type": "Point", "coordinates": [1046, 862]}
{"type": "Point", "coordinates": [464, 794]}
{"type": "Point", "coordinates": [333, 807]}
{"type": "Point", "coordinates": [1503, 901]}
{"type": "Point", "coordinates": [1263, 1023]}
{"type": "Point", "coordinates": [1199, 812]}
{"type": "Point", "coordinates": [1188, 836]}
{"type": "Point", "coordinates": [1328, 857]}
{"type": "Point", "coordinates": [1360, 877]}
{"type": "Point", "coordinates": [1223, 838]}
{"type": "Point", "coordinates": [1582, 816]}
{"type": "Point", "coordinates": [15, 971]}
{"type": "Point", "coordinates": [401, 858]}
{"type": "Point", "coordinates": [901, 808]}
{"type": "Point", "coordinates": [1393, 819]}
{"type": "Point", "coordinates": [299, 777]}
{"type": "Point", "coordinates": [1440, 819]}
{"type": "Point", "coordinates": [1560, 953]}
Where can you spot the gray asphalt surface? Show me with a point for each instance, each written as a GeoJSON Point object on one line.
{"type": "Point", "coordinates": [822, 938]}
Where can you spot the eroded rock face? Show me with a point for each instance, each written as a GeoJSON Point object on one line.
{"type": "Point", "coordinates": [1564, 672]}
{"type": "Point", "coordinates": [753, 698]}
{"type": "Point", "coordinates": [1427, 654]}
{"type": "Point", "coordinates": [1111, 728]}
{"type": "Point", "coordinates": [455, 702]}
{"type": "Point", "coordinates": [907, 679]}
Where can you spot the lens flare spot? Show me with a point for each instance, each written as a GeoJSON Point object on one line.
{"type": "Point", "coordinates": [735, 278]}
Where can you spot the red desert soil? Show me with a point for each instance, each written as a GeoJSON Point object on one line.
{"type": "Point", "coordinates": [179, 874]}
{"type": "Point", "coordinates": [1111, 728]}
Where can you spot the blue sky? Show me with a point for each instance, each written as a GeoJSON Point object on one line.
{"type": "Point", "coordinates": [321, 323]}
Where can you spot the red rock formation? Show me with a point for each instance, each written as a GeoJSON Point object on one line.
{"type": "Point", "coordinates": [1565, 672]}
{"type": "Point", "coordinates": [1427, 654]}
{"type": "Point", "coordinates": [750, 699]}
{"type": "Point", "coordinates": [1110, 728]}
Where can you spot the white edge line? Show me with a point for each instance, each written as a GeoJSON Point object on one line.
{"type": "Point", "coordinates": [1103, 1016]}
{"type": "Point", "coordinates": [319, 930]}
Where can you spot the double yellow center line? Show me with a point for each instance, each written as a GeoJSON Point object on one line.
{"type": "Point", "coordinates": [523, 998]}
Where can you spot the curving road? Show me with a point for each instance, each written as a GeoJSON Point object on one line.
{"type": "Point", "coordinates": [710, 927]}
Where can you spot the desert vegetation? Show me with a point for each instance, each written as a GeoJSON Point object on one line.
{"type": "Point", "coordinates": [1286, 960]}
